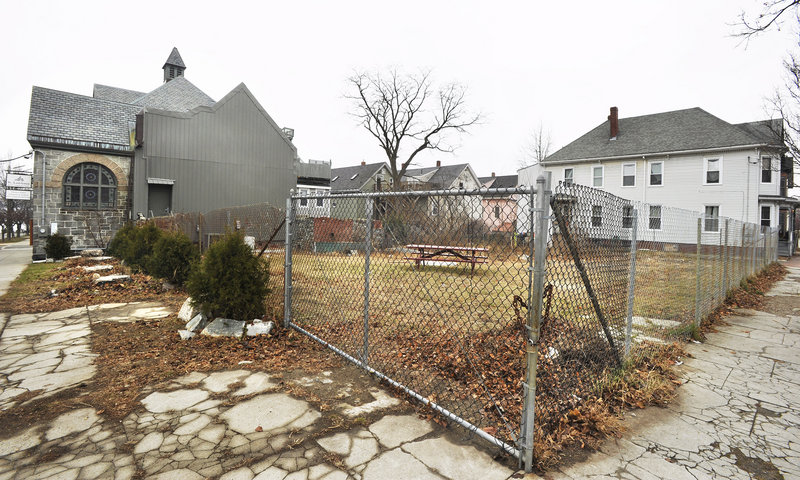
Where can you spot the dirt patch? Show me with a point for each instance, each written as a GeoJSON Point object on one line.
{"type": "Point", "coordinates": [32, 292]}
{"type": "Point", "coordinates": [758, 468]}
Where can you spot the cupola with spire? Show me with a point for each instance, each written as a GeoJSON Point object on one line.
{"type": "Point", "coordinates": [174, 66]}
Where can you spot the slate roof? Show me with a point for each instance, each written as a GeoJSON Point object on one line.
{"type": "Point", "coordinates": [177, 95]}
{"type": "Point", "coordinates": [679, 130]}
{"type": "Point", "coordinates": [71, 119]}
{"type": "Point", "coordinates": [114, 94]}
{"type": "Point", "coordinates": [345, 181]}
{"type": "Point", "coordinates": [500, 181]}
{"type": "Point", "coordinates": [443, 177]}
{"type": "Point", "coordinates": [174, 59]}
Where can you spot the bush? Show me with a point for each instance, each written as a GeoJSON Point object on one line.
{"type": "Point", "coordinates": [58, 246]}
{"type": "Point", "coordinates": [230, 282]}
{"type": "Point", "coordinates": [173, 257]}
{"type": "Point", "coordinates": [134, 244]}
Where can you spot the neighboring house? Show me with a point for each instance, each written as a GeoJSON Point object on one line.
{"type": "Point", "coordinates": [121, 154]}
{"type": "Point", "coordinates": [365, 177]}
{"type": "Point", "coordinates": [314, 178]}
{"type": "Point", "coordinates": [448, 177]}
{"type": "Point", "coordinates": [499, 210]}
{"type": "Point", "coordinates": [688, 159]}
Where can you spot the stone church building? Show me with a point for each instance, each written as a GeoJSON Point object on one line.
{"type": "Point", "coordinates": [122, 154]}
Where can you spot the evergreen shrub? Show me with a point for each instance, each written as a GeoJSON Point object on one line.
{"type": "Point", "coordinates": [58, 246]}
{"type": "Point", "coordinates": [230, 281]}
{"type": "Point", "coordinates": [173, 257]}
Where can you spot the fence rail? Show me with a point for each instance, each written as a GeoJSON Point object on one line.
{"type": "Point", "coordinates": [504, 309]}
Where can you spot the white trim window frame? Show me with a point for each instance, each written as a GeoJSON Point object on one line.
{"type": "Point", "coordinates": [627, 216]}
{"type": "Point", "coordinates": [711, 218]}
{"type": "Point", "coordinates": [769, 216]}
{"type": "Point", "coordinates": [597, 216]}
{"type": "Point", "coordinates": [706, 171]}
{"type": "Point", "coordinates": [660, 174]}
{"type": "Point", "coordinates": [768, 159]}
{"type": "Point", "coordinates": [601, 177]}
{"type": "Point", "coordinates": [654, 222]}
{"type": "Point", "coordinates": [569, 180]}
{"type": "Point", "coordinates": [632, 177]}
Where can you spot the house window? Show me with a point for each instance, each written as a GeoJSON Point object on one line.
{"type": "Point", "coordinates": [766, 216]}
{"type": "Point", "coordinates": [627, 216]}
{"type": "Point", "coordinates": [569, 176]}
{"type": "Point", "coordinates": [657, 173]}
{"type": "Point", "coordinates": [655, 217]}
{"type": "Point", "coordinates": [497, 211]}
{"type": "Point", "coordinates": [766, 170]}
{"type": "Point", "coordinates": [304, 200]}
{"type": "Point", "coordinates": [628, 174]}
{"type": "Point", "coordinates": [435, 206]}
{"type": "Point", "coordinates": [712, 218]}
{"type": "Point", "coordinates": [597, 176]}
{"type": "Point", "coordinates": [597, 215]}
{"type": "Point", "coordinates": [461, 185]}
{"type": "Point", "coordinates": [89, 186]}
{"type": "Point", "coordinates": [713, 171]}
{"type": "Point", "coordinates": [320, 202]}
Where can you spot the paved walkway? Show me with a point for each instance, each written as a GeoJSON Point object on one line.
{"type": "Point", "coordinates": [737, 414]}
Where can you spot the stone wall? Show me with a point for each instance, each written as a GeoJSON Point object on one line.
{"type": "Point", "coordinates": [86, 228]}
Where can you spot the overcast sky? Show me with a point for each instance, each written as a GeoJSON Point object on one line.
{"type": "Point", "coordinates": [561, 64]}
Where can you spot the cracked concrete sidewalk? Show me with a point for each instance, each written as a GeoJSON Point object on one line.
{"type": "Point", "coordinates": [736, 416]}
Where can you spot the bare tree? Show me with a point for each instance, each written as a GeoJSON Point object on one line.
{"type": "Point", "coordinates": [770, 17]}
{"type": "Point", "coordinates": [400, 109]}
{"type": "Point", "coordinates": [538, 147]}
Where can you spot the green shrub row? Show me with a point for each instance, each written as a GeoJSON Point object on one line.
{"type": "Point", "coordinates": [228, 282]}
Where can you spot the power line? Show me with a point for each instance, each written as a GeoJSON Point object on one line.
{"type": "Point", "coordinates": [27, 155]}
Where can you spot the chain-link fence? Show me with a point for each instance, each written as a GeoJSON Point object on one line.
{"type": "Point", "coordinates": [491, 305]}
{"type": "Point", "coordinates": [261, 223]}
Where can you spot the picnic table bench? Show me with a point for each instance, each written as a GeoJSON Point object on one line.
{"type": "Point", "coordinates": [446, 253]}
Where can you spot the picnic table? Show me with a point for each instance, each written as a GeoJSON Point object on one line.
{"type": "Point", "coordinates": [447, 253]}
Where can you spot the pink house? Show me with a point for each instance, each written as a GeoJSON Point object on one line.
{"type": "Point", "coordinates": [499, 211]}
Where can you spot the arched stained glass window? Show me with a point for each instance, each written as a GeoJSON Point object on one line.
{"type": "Point", "coordinates": [90, 186]}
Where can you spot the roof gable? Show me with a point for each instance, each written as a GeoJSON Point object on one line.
{"type": "Point", "coordinates": [353, 178]}
{"type": "Point", "coordinates": [501, 181]}
{"type": "Point", "coordinates": [676, 131]}
{"type": "Point", "coordinates": [178, 95]}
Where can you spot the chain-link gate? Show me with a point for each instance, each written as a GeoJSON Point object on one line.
{"type": "Point", "coordinates": [503, 309]}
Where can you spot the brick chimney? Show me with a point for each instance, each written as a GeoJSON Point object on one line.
{"type": "Point", "coordinates": [363, 162]}
{"type": "Point", "coordinates": [492, 174]}
{"type": "Point", "coordinates": [438, 163]}
{"type": "Point", "coordinates": [613, 120]}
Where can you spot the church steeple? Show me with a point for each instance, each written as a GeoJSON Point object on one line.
{"type": "Point", "coordinates": [173, 67]}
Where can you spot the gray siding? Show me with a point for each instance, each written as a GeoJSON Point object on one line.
{"type": "Point", "coordinates": [229, 155]}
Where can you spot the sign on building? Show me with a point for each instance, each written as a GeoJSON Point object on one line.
{"type": "Point", "coordinates": [18, 180]}
{"type": "Point", "coordinates": [18, 194]}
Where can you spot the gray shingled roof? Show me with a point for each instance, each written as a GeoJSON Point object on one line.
{"type": "Point", "coordinates": [114, 94]}
{"type": "Point", "coordinates": [174, 59]}
{"type": "Point", "coordinates": [769, 131]}
{"type": "Point", "coordinates": [500, 181]}
{"type": "Point", "coordinates": [680, 130]}
{"type": "Point", "coordinates": [71, 119]}
{"type": "Point", "coordinates": [444, 176]}
{"type": "Point", "coordinates": [345, 182]}
{"type": "Point", "coordinates": [177, 95]}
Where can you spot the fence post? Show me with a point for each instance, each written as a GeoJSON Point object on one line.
{"type": "Point", "coordinates": [697, 273]}
{"type": "Point", "coordinates": [725, 256]}
{"type": "Point", "coordinates": [743, 255]}
{"type": "Point", "coordinates": [287, 266]}
{"type": "Point", "coordinates": [369, 205]}
{"type": "Point", "coordinates": [631, 283]}
{"type": "Point", "coordinates": [539, 205]}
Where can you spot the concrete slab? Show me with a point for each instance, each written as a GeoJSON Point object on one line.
{"type": "Point", "coordinates": [456, 461]}
{"type": "Point", "coordinates": [393, 430]}
{"type": "Point", "coordinates": [270, 412]}
{"type": "Point", "coordinates": [177, 400]}
{"type": "Point", "coordinates": [398, 465]}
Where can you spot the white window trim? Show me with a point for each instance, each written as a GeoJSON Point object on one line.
{"type": "Point", "coordinates": [761, 170]}
{"type": "Point", "coordinates": [572, 181]}
{"type": "Point", "coordinates": [593, 216]}
{"type": "Point", "coordinates": [602, 175]}
{"type": "Point", "coordinates": [705, 170]}
{"type": "Point", "coordinates": [650, 173]}
{"type": "Point", "coordinates": [631, 216]}
{"type": "Point", "coordinates": [660, 217]}
{"type": "Point", "coordinates": [719, 215]}
{"type": "Point", "coordinates": [760, 218]}
{"type": "Point", "coordinates": [622, 180]}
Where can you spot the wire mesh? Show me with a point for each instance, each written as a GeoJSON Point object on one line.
{"type": "Point", "coordinates": [431, 290]}
{"type": "Point", "coordinates": [426, 288]}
